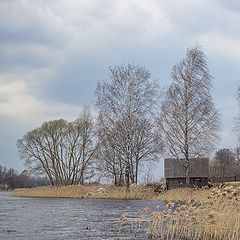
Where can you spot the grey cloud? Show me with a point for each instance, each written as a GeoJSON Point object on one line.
{"type": "Point", "coordinates": [197, 17]}
{"type": "Point", "coordinates": [60, 49]}
{"type": "Point", "coordinates": [27, 22]}
{"type": "Point", "coordinates": [232, 5]}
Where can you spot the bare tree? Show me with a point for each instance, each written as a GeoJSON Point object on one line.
{"type": "Point", "coordinates": [111, 163]}
{"type": "Point", "coordinates": [62, 150]}
{"type": "Point", "coordinates": [3, 173]}
{"type": "Point", "coordinates": [188, 121]}
{"type": "Point", "coordinates": [237, 159]}
{"type": "Point", "coordinates": [237, 134]}
{"type": "Point", "coordinates": [224, 164]}
{"type": "Point", "coordinates": [85, 152]}
{"type": "Point", "coordinates": [126, 122]}
{"type": "Point", "coordinates": [237, 123]}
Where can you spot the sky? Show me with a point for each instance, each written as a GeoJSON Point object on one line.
{"type": "Point", "coordinates": [53, 53]}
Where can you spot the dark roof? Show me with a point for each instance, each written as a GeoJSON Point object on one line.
{"type": "Point", "coordinates": [174, 168]}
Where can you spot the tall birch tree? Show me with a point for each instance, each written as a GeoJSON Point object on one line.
{"type": "Point", "coordinates": [188, 121]}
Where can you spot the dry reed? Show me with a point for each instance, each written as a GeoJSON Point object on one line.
{"type": "Point", "coordinates": [87, 192]}
{"type": "Point", "coordinates": [205, 215]}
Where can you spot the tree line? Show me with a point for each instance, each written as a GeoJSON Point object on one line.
{"type": "Point", "coordinates": [10, 179]}
{"type": "Point", "coordinates": [135, 123]}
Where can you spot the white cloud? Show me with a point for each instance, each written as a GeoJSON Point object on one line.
{"type": "Point", "coordinates": [16, 102]}
{"type": "Point", "coordinates": [221, 45]}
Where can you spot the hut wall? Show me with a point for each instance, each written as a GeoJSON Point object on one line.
{"type": "Point", "coordinates": [172, 183]}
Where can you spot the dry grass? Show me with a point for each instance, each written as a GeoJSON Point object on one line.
{"type": "Point", "coordinates": [235, 184]}
{"type": "Point", "coordinates": [205, 215]}
{"type": "Point", "coordinates": [88, 192]}
{"type": "Point", "coordinates": [184, 195]}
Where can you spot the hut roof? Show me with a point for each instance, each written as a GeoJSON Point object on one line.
{"type": "Point", "coordinates": [174, 168]}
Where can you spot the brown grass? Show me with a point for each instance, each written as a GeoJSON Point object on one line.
{"type": "Point", "coordinates": [234, 184]}
{"type": "Point", "coordinates": [205, 215]}
{"type": "Point", "coordinates": [88, 192]}
{"type": "Point", "coordinates": [184, 195]}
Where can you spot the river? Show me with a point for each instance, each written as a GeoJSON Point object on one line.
{"type": "Point", "coordinates": [66, 219]}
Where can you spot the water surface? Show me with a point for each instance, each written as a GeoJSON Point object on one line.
{"type": "Point", "coordinates": [66, 219]}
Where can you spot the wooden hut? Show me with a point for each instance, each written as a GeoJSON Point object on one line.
{"type": "Point", "coordinates": [175, 173]}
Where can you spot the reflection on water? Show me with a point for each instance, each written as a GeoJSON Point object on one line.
{"type": "Point", "coordinates": [61, 219]}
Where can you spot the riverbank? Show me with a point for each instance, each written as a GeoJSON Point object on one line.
{"type": "Point", "coordinates": [137, 192]}
{"type": "Point", "coordinates": [199, 214]}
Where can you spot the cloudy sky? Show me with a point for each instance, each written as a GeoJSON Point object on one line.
{"type": "Point", "coordinates": [52, 54]}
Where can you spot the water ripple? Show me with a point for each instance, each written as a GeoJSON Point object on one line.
{"type": "Point", "coordinates": [61, 219]}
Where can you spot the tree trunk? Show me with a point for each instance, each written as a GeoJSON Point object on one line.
{"type": "Point", "coordinates": [136, 171]}
{"type": "Point", "coordinates": [115, 179]}
{"type": "Point", "coordinates": [187, 177]}
{"type": "Point", "coordinates": [127, 178]}
{"type": "Point", "coordinates": [187, 171]}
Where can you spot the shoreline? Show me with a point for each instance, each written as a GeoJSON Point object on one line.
{"type": "Point", "coordinates": [136, 192]}
{"type": "Point", "coordinates": [109, 192]}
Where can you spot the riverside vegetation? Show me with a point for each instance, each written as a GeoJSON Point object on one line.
{"type": "Point", "coordinates": [192, 214]}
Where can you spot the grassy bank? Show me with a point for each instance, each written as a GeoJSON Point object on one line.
{"type": "Point", "coordinates": [112, 192]}
{"type": "Point", "coordinates": [187, 194]}
{"type": "Point", "coordinates": [88, 192]}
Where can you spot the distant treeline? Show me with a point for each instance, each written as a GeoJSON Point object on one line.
{"type": "Point", "coordinates": [225, 166]}
{"type": "Point", "coordinates": [10, 179]}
